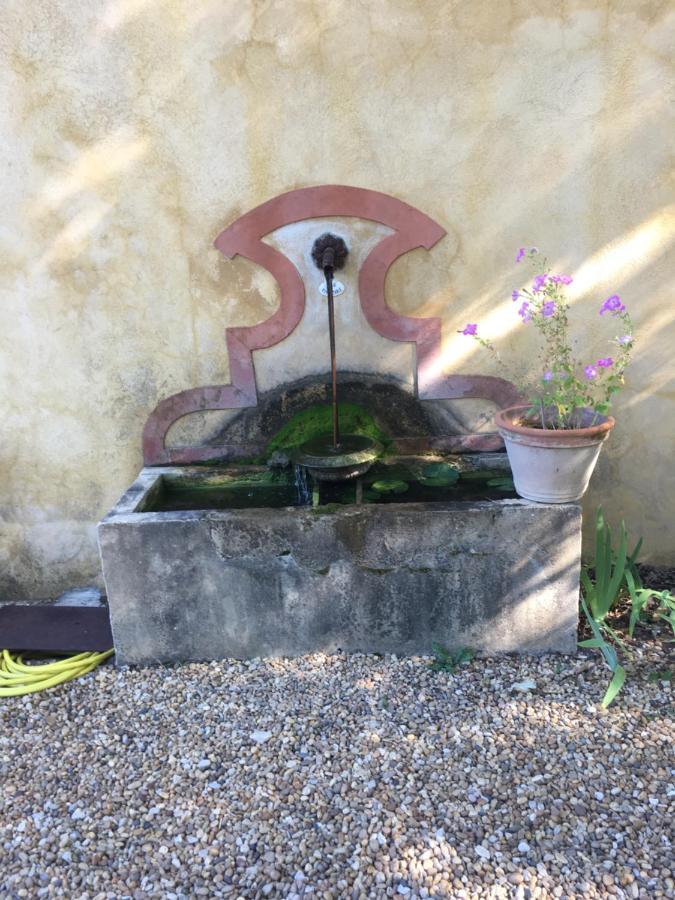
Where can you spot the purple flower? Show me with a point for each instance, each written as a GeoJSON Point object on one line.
{"type": "Point", "coordinates": [606, 362]}
{"type": "Point", "coordinates": [515, 295]}
{"type": "Point", "coordinates": [521, 254]}
{"type": "Point", "coordinates": [469, 329]}
{"type": "Point", "coordinates": [548, 309]}
{"type": "Point", "coordinates": [524, 311]}
{"type": "Point", "coordinates": [612, 304]}
{"type": "Point", "coordinates": [566, 279]}
{"type": "Point", "coordinates": [538, 283]}
{"type": "Point", "coordinates": [560, 279]}
{"type": "Point", "coordinates": [590, 372]}
{"type": "Point", "coordinates": [548, 375]}
{"type": "Point", "coordinates": [626, 339]}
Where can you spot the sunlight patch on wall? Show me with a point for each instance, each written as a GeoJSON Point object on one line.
{"type": "Point", "coordinates": [99, 163]}
{"type": "Point", "coordinates": [71, 240]}
{"type": "Point", "coordinates": [119, 12]}
{"type": "Point", "coordinates": [628, 255]}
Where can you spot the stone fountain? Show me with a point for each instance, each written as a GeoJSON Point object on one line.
{"type": "Point", "coordinates": [335, 457]}
{"type": "Point", "coordinates": [277, 534]}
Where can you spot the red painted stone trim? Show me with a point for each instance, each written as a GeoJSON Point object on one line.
{"type": "Point", "coordinates": [412, 229]}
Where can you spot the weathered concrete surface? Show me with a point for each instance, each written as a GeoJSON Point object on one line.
{"type": "Point", "coordinates": [498, 577]}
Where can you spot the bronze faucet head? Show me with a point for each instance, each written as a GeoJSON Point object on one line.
{"type": "Point", "coordinates": [329, 252]}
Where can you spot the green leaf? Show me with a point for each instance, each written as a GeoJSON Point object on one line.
{"type": "Point", "coordinates": [448, 662]}
{"type": "Point", "coordinates": [668, 617]}
{"type": "Point", "coordinates": [502, 484]}
{"type": "Point", "coordinates": [619, 572]}
{"type": "Point", "coordinates": [638, 600]}
{"type": "Point", "coordinates": [661, 675]}
{"type": "Point", "coordinates": [391, 486]}
{"type": "Point", "coordinates": [592, 643]}
{"type": "Point", "coordinates": [610, 655]}
{"type": "Point", "coordinates": [439, 475]}
{"type": "Point", "coordinates": [434, 470]}
{"type": "Point", "coordinates": [631, 564]}
{"type": "Point", "coordinates": [439, 650]}
{"type": "Point", "coordinates": [610, 570]}
{"type": "Point", "coordinates": [615, 685]}
{"type": "Point", "coordinates": [608, 652]}
{"type": "Point", "coordinates": [588, 587]}
{"type": "Point", "coordinates": [600, 553]}
{"type": "Point", "coordinates": [633, 556]}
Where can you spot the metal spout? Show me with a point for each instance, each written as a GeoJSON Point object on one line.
{"type": "Point", "coordinates": [329, 253]}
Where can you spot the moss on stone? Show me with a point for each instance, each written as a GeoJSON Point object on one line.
{"type": "Point", "coordinates": [317, 420]}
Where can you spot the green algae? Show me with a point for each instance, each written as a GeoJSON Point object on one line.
{"type": "Point", "coordinates": [390, 486]}
{"type": "Point", "coordinates": [317, 420]}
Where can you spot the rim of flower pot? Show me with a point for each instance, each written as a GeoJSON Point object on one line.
{"type": "Point", "coordinates": [562, 436]}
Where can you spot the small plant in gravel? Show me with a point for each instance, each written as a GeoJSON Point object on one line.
{"type": "Point", "coordinates": [609, 654]}
{"type": "Point", "coordinates": [604, 585]}
{"type": "Point", "coordinates": [609, 568]}
{"type": "Point", "coordinates": [446, 661]}
{"type": "Point", "coordinates": [661, 604]}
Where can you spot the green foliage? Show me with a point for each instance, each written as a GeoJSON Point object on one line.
{"type": "Point", "coordinates": [613, 571]}
{"type": "Point", "coordinates": [390, 486]}
{"type": "Point", "coordinates": [439, 474]}
{"type": "Point", "coordinates": [502, 484]}
{"type": "Point", "coordinates": [232, 479]}
{"type": "Point", "coordinates": [666, 609]}
{"type": "Point", "coordinates": [445, 661]}
{"type": "Point", "coordinates": [640, 600]}
{"type": "Point", "coordinates": [609, 654]}
{"type": "Point", "coordinates": [317, 420]}
{"type": "Point", "coordinates": [610, 569]}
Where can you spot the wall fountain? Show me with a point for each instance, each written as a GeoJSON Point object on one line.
{"type": "Point", "coordinates": [335, 457]}
{"type": "Point", "coordinates": [352, 515]}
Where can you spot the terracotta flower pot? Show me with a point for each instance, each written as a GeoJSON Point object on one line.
{"type": "Point", "coordinates": [551, 465]}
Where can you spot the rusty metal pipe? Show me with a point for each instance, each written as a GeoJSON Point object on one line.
{"type": "Point", "coordinates": [329, 252]}
{"type": "Point", "coordinates": [328, 272]}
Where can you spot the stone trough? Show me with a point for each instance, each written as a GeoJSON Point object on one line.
{"type": "Point", "coordinates": [498, 576]}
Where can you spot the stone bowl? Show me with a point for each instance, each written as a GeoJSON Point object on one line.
{"type": "Point", "coordinates": [353, 457]}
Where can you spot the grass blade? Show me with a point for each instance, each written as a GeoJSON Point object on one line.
{"type": "Point", "coordinates": [615, 685]}
{"type": "Point", "coordinates": [619, 572]}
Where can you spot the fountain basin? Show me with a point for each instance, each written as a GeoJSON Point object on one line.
{"type": "Point", "coordinates": [499, 576]}
{"type": "Point", "coordinates": [353, 457]}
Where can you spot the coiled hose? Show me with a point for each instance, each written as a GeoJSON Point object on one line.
{"type": "Point", "coordinates": [17, 678]}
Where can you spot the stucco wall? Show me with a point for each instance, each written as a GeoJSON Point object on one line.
{"type": "Point", "coordinates": [137, 129]}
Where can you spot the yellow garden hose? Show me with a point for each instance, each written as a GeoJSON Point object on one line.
{"type": "Point", "coordinates": [16, 678]}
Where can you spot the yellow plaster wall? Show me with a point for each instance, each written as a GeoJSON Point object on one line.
{"type": "Point", "coordinates": [134, 130]}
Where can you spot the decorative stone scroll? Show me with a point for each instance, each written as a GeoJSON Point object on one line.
{"type": "Point", "coordinates": [244, 237]}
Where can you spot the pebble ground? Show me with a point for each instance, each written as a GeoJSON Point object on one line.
{"type": "Point", "coordinates": [341, 776]}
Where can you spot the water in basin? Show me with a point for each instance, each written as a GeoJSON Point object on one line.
{"type": "Point", "coordinates": [418, 481]}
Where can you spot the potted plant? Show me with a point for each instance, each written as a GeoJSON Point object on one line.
{"type": "Point", "coordinates": [554, 440]}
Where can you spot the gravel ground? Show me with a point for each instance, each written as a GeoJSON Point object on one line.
{"type": "Point", "coordinates": [335, 776]}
